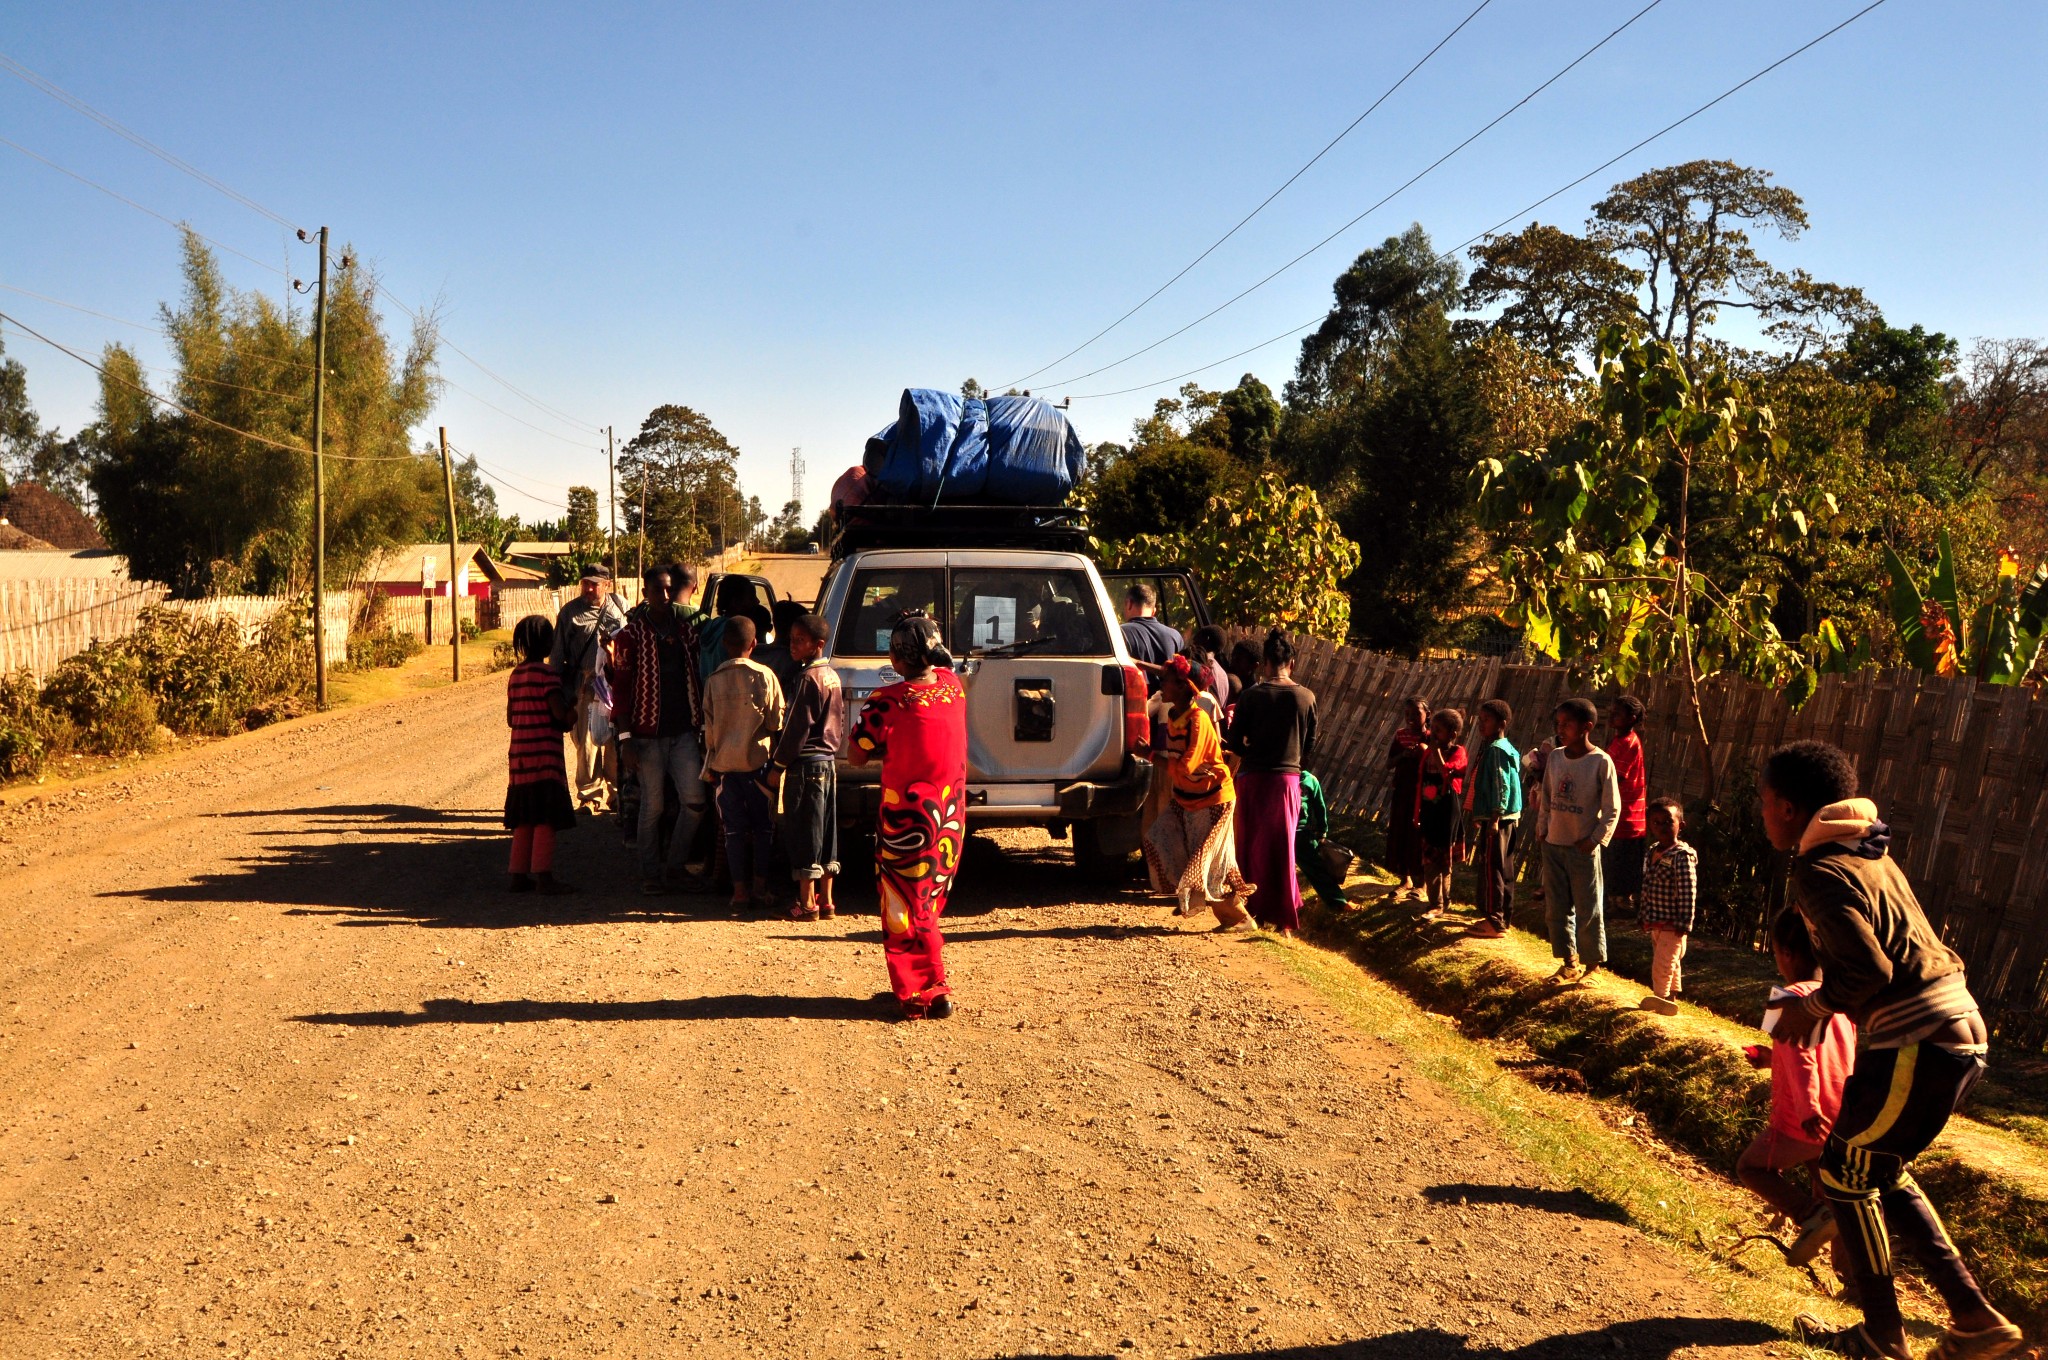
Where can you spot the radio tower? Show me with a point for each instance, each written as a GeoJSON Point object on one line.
{"type": "Point", "coordinates": [796, 477]}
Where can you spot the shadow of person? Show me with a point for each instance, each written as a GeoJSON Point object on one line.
{"type": "Point", "coordinates": [1577, 1203]}
{"type": "Point", "coordinates": [741, 1006]}
{"type": "Point", "coordinates": [390, 864]}
{"type": "Point", "coordinates": [1641, 1339]}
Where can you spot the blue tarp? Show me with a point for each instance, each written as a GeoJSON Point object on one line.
{"type": "Point", "coordinates": [943, 449]}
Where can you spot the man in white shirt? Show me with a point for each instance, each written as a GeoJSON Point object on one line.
{"type": "Point", "coordinates": [1581, 808]}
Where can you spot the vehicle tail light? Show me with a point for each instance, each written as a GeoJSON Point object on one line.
{"type": "Point", "coordinates": [1137, 726]}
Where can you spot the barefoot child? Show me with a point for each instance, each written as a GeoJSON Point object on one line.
{"type": "Point", "coordinates": [808, 751]}
{"type": "Point", "coordinates": [1670, 888]}
{"type": "Point", "coordinates": [537, 793]}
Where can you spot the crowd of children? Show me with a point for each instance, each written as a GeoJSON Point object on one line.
{"type": "Point", "coordinates": [1875, 1039]}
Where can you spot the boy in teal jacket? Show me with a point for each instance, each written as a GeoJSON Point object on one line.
{"type": "Point", "coordinates": [1309, 834]}
{"type": "Point", "coordinates": [1493, 805]}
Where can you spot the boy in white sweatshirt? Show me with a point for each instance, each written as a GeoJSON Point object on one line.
{"type": "Point", "coordinates": [1581, 808]}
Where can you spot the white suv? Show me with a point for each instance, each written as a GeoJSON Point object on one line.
{"type": "Point", "coordinates": [1057, 731]}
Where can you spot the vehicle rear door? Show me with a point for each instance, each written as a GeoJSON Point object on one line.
{"type": "Point", "coordinates": [1180, 596]}
{"type": "Point", "coordinates": [1032, 633]}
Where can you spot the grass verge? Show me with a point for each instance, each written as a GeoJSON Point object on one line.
{"type": "Point", "coordinates": [1687, 1079]}
{"type": "Point", "coordinates": [1597, 1146]}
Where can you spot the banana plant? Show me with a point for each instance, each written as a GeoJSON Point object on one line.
{"type": "Point", "coordinates": [2002, 639]}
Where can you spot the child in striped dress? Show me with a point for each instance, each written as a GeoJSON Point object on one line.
{"type": "Point", "coordinates": [537, 795]}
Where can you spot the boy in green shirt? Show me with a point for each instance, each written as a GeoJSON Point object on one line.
{"type": "Point", "coordinates": [1309, 835]}
{"type": "Point", "coordinates": [1493, 805]}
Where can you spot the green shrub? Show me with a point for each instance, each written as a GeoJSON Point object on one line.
{"type": "Point", "coordinates": [100, 691]}
{"type": "Point", "coordinates": [30, 734]}
{"type": "Point", "coordinates": [197, 670]}
{"type": "Point", "coordinates": [386, 648]}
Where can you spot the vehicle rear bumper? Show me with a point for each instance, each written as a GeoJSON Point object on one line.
{"type": "Point", "coordinates": [1000, 804]}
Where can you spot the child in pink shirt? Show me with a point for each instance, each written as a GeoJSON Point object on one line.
{"type": "Point", "coordinates": [1806, 1095]}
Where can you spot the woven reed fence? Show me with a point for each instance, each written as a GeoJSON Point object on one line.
{"type": "Point", "coordinates": [1957, 769]}
{"type": "Point", "coordinates": [42, 621]}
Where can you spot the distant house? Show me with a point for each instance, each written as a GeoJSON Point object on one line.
{"type": "Point", "coordinates": [537, 554]}
{"type": "Point", "coordinates": [43, 514]}
{"type": "Point", "coordinates": [404, 571]}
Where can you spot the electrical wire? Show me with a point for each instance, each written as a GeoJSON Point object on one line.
{"type": "Point", "coordinates": [71, 101]}
{"type": "Point", "coordinates": [1668, 128]}
{"type": "Point", "coordinates": [77, 105]}
{"type": "Point", "coordinates": [151, 212]}
{"type": "Point", "coordinates": [1387, 198]}
{"type": "Point", "coordinates": [1263, 203]}
{"type": "Point", "coordinates": [195, 415]}
{"type": "Point", "coordinates": [60, 302]}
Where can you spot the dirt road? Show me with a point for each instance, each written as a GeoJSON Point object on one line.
{"type": "Point", "coordinates": [284, 1075]}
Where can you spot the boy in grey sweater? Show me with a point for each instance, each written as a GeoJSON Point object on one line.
{"type": "Point", "coordinates": [1581, 808]}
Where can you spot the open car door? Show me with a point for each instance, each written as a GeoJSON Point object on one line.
{"type": "Point", "coordinates": [1180, 597]}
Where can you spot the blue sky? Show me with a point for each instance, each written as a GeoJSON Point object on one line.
{"type": "Point", "coordinates": [783, 214]}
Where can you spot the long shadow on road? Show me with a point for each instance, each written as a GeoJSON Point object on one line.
{"type": "Point", "coordinates": [1644, 1339]}
{"type": "Point", "coordinates": [743, 1006]}
{"type": "Point", "coordinates": [394, 864]}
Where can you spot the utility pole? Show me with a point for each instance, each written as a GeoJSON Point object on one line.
{"type": "Point", "coordinates": [643, 519]}
{"type": "Point", "coordinates": [796, 478]}
{"type": "Point", "coordinates": [454, 572]}
{"type": "Point", "coordinates": [319, 481]}
{"type": "Point", "coordinates": [611, 476]}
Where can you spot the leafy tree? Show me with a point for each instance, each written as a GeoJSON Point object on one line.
{"type": "Point", "coordinates": [972, 389]}
{"type": "Point", "coordinates": [680, 477]}
{"type": "Point", "coordinates": [31, 453]}
{"type": "Point", "coordinates": [787, 532]}
{"type": "Point", "coordinates": [1668, 252]}
{"type": "Point", "coordinates": [1561, 290]}
{"type": "Point", "coordinates": [1386, 420]}
{"type": "Point", "coordinates": [1251, 417]}
{"type": "Point", "coordinates": [1179, 458]}
{"type": "Point", "coordinates": [1385, 288]}
{"type": "Point", "coordinates": [193, 502]}
{"type": "Point", "coordinates": [1268, 557]}
{"type": "Point", "coordinates": [1606, 576]}
{"type": "Point", "coordinates": [477, 518]}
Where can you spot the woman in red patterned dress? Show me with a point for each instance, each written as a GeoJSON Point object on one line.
{"type": "Point", "coordinates": [917, 727]}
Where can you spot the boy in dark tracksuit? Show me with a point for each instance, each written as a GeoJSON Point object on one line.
{"type": "Point", "coordinates": [1309, 835]}
{"type": "Point", "coordinates": [1921, 1045]}
{"type": "Point", "coordinates": [1493, 808]}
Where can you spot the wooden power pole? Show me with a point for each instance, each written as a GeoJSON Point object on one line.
{"type": "Point", "coordinates": [454, 572]}
{"type": "Point", "coordinates": [320, 482]}
{"type": "Point", "coordinates": [611, 477]}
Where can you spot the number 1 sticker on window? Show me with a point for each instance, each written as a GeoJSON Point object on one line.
{"type": "Point", "coordinates": [995, 620]}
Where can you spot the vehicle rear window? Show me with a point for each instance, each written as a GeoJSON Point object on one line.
{"type": "Point", "coordinates": [881, 596]}
{"type": "Point", "coordinates": [1034, 611]}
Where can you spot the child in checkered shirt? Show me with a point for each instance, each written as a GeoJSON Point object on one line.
{"type": "Point", "coordinates": [1670, 889]}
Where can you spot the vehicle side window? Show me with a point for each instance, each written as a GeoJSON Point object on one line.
{"type": "Point", "coordinates": [1036, 611]}
{"type": "Point", "coordinates": [1176, 605]}
{"type": "Point", "coordinates": [877, 599]}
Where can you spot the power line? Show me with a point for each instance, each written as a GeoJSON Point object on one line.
{"type": "Point", "coordinates": [1389, 197]}
{"type": "Point", "coordinates": [1668, 128]}
{"type": "Point", "coordinates": [151, 212]}
{"type": "Point", "coordinates": [60, 302]}
{"type": "Point", "coordinates": [502, 382]}
{"type": "Point", "coordinates": [188, 411]}
{"type": "Point", "coordinates": [1285, 185]}
{"type": "Point", "coordinates": [73, 102]}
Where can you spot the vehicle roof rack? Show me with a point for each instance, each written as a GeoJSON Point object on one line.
{"type": "Point", "coordinates": [1059, 528]}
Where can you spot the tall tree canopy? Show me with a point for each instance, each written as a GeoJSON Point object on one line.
{"type": "Point", "coordinates": [194, 503]}
{"type": "Point", "coordinates": [679, 478]}
{"type": "Point", "coordinates": [1385, 420]}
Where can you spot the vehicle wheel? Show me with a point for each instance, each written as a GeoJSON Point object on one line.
{"type": "Point", "coordinates": [1096, 854]}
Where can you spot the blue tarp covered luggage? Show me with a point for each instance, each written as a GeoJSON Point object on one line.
{"type": "Point", "coordinates": [944, 449]}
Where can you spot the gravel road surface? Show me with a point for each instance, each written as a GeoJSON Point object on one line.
{"type": "Point", "coordinates": [286, 1073]}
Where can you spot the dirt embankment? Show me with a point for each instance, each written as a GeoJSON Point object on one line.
{"type": "Point", "coordinates": [288, 1076]}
